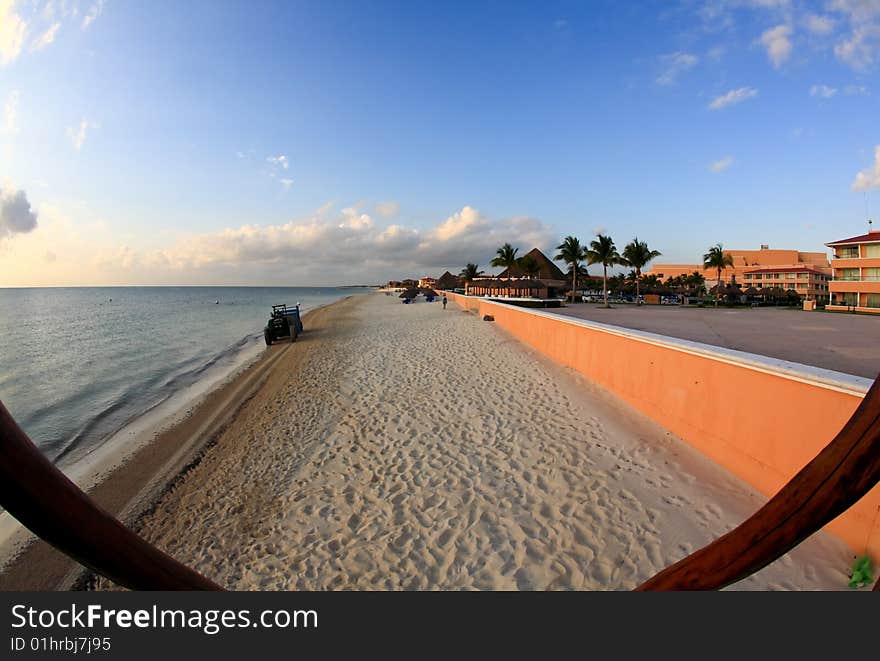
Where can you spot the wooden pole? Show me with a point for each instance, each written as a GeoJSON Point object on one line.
{"type": "Point", "coordinates": [44, 500]}
{"type": "Point", "coordinates": [827, 486]}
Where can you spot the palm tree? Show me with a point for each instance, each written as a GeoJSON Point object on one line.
{"type": "Point", "coordinates": [717, 259]}
{"type": "Point", "coordinates": [637, 254]}
{"type": "Point", "coordinates": [603, 251]}
{"type": "Point", "coordinates": [572, 253]}
{"type": "Point", "coordinates": [469, 273]}
{"type": "Point", "coordinates": [506, 258]}
{"type": "Point", "coordinates": [529, 266]}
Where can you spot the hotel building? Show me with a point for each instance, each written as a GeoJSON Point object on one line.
{"type": "Point", "coordinates": [856, 266]}
{"type": "Point", "coordinates": [808, 273]}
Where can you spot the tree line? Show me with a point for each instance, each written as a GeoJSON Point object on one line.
{"type": "Point", "coordinates": [636, 254]}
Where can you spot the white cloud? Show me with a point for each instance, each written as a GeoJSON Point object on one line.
{"type": "Point", "coordinates": [343, 247]}
{"type": "Point", "coordinates": [853, 90]}
{"type": "Point", "coordinates": [16, 216]}
{"type": "Point", "coordinates": [388, 209]}
{"type": "Point", "coordinates": [869, 178]}
{"type": "Point", "coordinates": [733, 97]}
{"type": "Point", "coordinates": [13, 30]}
{"type": "Point", "coordinates": [46, 38]}
{"type": "Point", "coordinates": [777, 41]}
{"type": "Point", "coordinates": [278, 160]}
{"type": "Point", "coordinates": [10, 112]}
{"type": "Point", "coordinates": [858, 49]}
{"type": "Point", "coordinates": [675, 64]}
{"type": "Point", "coordinates": [819, 25]}
{"type": "Point", "coordinates": [92, 14]}
{"type": "Point", "coordinates": [823, 91]}
{"type": "Point", "coordinates": [721, 164]}
{"type": "Point", "coordinates": [77, 135]}
{"type": "Point", "coordinates": [287, 183]}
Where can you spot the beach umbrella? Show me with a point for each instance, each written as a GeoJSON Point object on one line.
{"type": "Point", "coordinates": [410, 293]}
{"type": "Point", "coordinates": [751, 291]}
{"type": "Point", "coordinates": [428, 292]}
{"type": "Point", "coordinates": [765, 292]}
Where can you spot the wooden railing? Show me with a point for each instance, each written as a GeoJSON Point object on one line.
{"type": "Point", "coordinates": [827, 486]}
{"type": "Point", "coordinates": [45, 501]}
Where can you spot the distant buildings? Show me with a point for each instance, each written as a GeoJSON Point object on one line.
{"type": "Point", "coordinates": [808, 273]}
{"type": "Point", "coordinates": [856, 266]}
{"type": "Point", "coordinates": [427, 283]}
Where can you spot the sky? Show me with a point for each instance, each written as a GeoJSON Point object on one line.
{"type": "Point", "coordinates": [333, 143]}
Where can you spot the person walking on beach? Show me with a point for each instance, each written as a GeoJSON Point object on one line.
{"type": "Point", "coordinates": [444, 301]}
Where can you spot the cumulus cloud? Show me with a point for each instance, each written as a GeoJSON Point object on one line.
{"type": "Point", "coordinates": [46, 38]}
{"type": "Point", "coordinates": [733, 97]}
{"type": "Point", "coordinates": [77, 135]}
{"type": "Point", "coordinates": [342, 247]}
{"type": "Point", "coordinates": [92, 14]}
{"type": "Point", "coordinates": [721, 164]}
{"type": "Point", "coordinates": [287, 183]}
{"type": "Point", "coordinates": [13, 31]}
{"type": "Point", "coordinates": [823, 91]}
{"type": "Point", "coordinates": [16, 216]}
{"type": "Point", "coordinates": [10, 113]}
{"type": "Point", "coordinates": [818, 24]}
{"type": "Point", "coordinates": [858, 49]}
{"type": "Point", "coordinates": [855, 90]}
{"type": "Point", "coordinates": [278, 160]}
{"type": "Point", "coordinates": [674, 64]}
{"type": "Point", "coordinates": [777, 41]}
{"type": "Point", "coordinates": [869, 178]}
{"type": "Point", "coordinates": [388, 209]}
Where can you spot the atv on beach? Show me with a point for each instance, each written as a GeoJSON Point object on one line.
{"type": "Point", "coordinates": [284, 323]}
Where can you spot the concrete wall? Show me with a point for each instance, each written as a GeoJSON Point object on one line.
{"type": "Point", "coordinates": [696, 392]}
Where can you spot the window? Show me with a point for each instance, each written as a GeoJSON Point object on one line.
{"type": "Point", "coordinates": [790, 276]}
{"type": "Point", "coordinates": [873, 301]}
{"type": "Point", "coordinates": [872, 273]}
{"type": "Point", "coordinates": [872, 250]}
{"type": "Point", "coordinates": [847, 274]}
{"type": "Point", "coordinates": [850, 252]}
{"type": "Point", "coordinates": [848, 298]}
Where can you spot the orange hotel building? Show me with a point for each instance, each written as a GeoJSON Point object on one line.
{"type": "Point", "coordinates": [856, 265]}
{"type": "Point", "coordinates": [808, 273]}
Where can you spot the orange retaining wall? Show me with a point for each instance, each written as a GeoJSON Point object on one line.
{"type": "Point", "coordinates": [695, 391]}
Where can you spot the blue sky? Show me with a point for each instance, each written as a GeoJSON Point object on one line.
{"type": "Point", "coordinates": [331, 142]}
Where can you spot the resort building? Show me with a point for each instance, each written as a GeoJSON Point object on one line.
{"type": "Point", "coordinates": [804, 269]}
{"type": "Point", "coordinates": [427, 283]}
{"type": "Point", "coordinates": [545, 282]}
{"type": "Point", "coordinates": [810, 283]}
{"type": "Point", "coordinates": [856, 266]}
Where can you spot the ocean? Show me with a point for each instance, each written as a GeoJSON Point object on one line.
{"type": "Point", "coordinates": [79, 364]}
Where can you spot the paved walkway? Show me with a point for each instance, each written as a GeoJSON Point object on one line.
{"type": "Point", "coordinates": [837, 341]}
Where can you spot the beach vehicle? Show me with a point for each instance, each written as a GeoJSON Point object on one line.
{"type": "Point", "coordinates": [284, 323]}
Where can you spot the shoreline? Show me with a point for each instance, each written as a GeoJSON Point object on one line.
{"type": "Point", "coordinates": [128, 480]}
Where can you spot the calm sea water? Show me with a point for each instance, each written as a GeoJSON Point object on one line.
{"type": "Point", "coordinates": [77, 364]}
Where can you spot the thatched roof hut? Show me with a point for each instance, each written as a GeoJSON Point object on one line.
{"type": "Point", "coordinates": [547, 269]}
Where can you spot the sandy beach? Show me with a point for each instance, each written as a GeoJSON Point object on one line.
{"type": "Point", "coordinates": [408, 447]}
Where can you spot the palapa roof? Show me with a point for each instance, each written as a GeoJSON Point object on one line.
{"type": "Point", "coordinates": [548, 269]}
{"type": "Point", "coordinates": [448, 281]}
